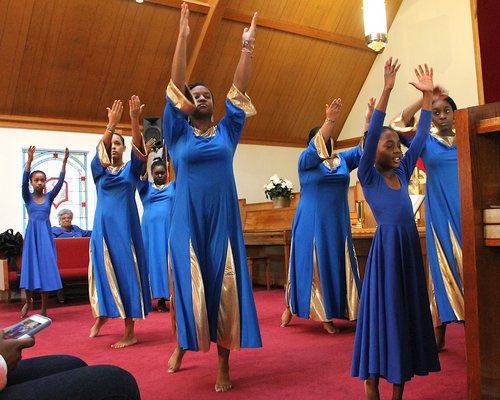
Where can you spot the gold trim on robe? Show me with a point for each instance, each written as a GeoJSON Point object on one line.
{"type": "Point", "coordinates": [330, 161]}
{"type": "Point", "coordinates": [288, 301]}
{"type": "Point", "coordinates": [432, 296]}
{"type": "Point", "coordinates": [242, 101]}
{"type": "Point", "coordinates": [94, 304]}
{"type": "Point", "coordinates": [457, 253]}
{"type": "Point", "coordinates": [199, 303]}
{"type": "Point", "coordinates": [179, 99]}
{"type": "Point", "coordinates": [105, 161]}
{"type": "Point", "coordinates": [136, 265]}
{"type": "Point", "coordinates": [351, 288]}
{"type": "Point", "coordinates": [317, 306]}
{"type": "Point", "coordinates": [455, 295]}
{"type": "Point", "coordinates": [138, 152]}
{"type": "Point", "coordinates": [228, 320]}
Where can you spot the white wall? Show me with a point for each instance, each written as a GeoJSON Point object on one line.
{"type": "Point", "coordinates": [253, 165]}
{"type": "Point", "coordinates": [436, 32]}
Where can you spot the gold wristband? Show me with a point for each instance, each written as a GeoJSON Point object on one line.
{"type": "Point", "coordinates": [248, 45]}
{"type": "Point", "coordinates": [110, 128]}
{"type": "Point", "coordinates": [329, 121]}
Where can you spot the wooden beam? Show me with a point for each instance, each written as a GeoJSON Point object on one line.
{"type": "Point", "coordinates": [477, 51]}
{"type": "Point", "coordinates": [347, 143]}
{"type": "Point", "coordinates": [54, 124]}
{"type": "Point", "coordinates": [204, 42]}
{"type": "Point", "coordinates": [296, 29]}
{"type": "Point", "coordinates": [196, 6]}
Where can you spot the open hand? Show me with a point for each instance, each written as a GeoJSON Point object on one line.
{"type": "Point", "coordinates": [135, 107]}
{"type": "Point", "coordinates": [249, 33]}
{"type": "Point", "coordinates": [369, 109]}
{"type": "Point", "coordinates": [11, 349]}
{"type": "Point", "coordinates": [424, 76]}
{"type": "Point", "coordinates": [439, 93]}
{"type": "Point", "coordinates": [332, 110]}
{"type": "Point", "coordinates": [184, 21]}
{"type": "Point", "coordinates": [115, 113]}
{"type": "Point", "coordinates": [390, 70]}
{"type": "Point", "coordinates": [31, 153]}
{"type": "Point", "coordinates": [149, 145]}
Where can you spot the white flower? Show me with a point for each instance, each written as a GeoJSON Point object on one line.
{"type": "Point", "coordinates": [275, 179]}
{"type": "Point", "coordinates": [269, 186]}
{"type": "Point", "coordinates": [289, 184]}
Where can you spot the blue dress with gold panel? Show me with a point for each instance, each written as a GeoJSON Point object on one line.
{"type": "Point", "coordinates": [323, 280]}
{"type": "Point", "coordinates": [394, 334]}
{"type": "Point", "coordinates": [118, 273]}
{"type": "Point", "coordinates": [211, 293]}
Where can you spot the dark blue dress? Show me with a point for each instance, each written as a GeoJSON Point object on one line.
{"type": "Point", "coordinates": [74, 232]}
{"type": "Point", "coordinates": [323, 277]}
{"type": "Point", "coordinates": [212, 293]}
{"type": "Point", "coordinates": [394, 335]}
{"type": "Point", "coordinates": [155, 225]}
{"type": "Point", "coordinates": [118, 273]}
{"type": "Point", "coordinates": [39, 267]}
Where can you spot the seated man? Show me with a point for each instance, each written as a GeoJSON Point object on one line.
{"type": "Point", "coordinates": [66, 230]}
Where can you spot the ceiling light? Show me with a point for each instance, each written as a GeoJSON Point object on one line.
{"type": "Point", "coordinates": [375, 24]}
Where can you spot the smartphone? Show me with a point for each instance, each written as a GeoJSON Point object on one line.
{"type": "Point", "coordinates": [27, 327]}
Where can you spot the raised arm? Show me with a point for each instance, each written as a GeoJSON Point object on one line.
{"type": "Point", "coordinates": [25, 186]}
{"type": "Point", "coordinates": [369, 112]}
{"type": "Point", "coordinates": [390, 71]}
{"type": "Point", "coordinates": [65, 161]}
{"type": "Point", "coordinates": [332, 112]}
{"type": "Point", "coordinates": [114, 117]}
{"type": "Point", "coordinates": [438, 92]}
{"type": "Point", "coordinates": [135, 110]}
{"type": "Point", "coordinates": [31, 154]}
{"type": "Point", "coordinates": [244, 68]}
{"type": "Point", "coordinates": [179, 61]}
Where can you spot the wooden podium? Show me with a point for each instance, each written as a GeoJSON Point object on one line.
{"type": "Point", "coordinates": [478, 142]}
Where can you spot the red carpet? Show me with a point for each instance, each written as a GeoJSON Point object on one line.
{"type": "Point", "coordinates": [298, 362]}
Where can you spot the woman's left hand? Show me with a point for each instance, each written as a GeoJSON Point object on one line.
{"type": "Point", "coordinates": [135, 107]}
{"type": "Point", "coordinates": [332, 110]}
{"type": "Point", "coordinates": [249, 33]}
{"type": "Point", "coordinates": [66, 155]}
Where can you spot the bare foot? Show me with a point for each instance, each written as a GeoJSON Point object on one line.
{"type": "Point", "coordinates": [99, 322]}
{"type": "Point", "coordinates": [175, 361]}
{"type": "Point", "coordinates": [223, 382]}
{"type": "Point", "coordinates": [124, 342]}
{"type": "Point", "coordinates": [286, 317]}
{"type": "Point", "coordinates": [162, 305]}
{"type": "Point", "coordinates": [330, 328]}
{"type": "Point", "coordinates": [27, 306]}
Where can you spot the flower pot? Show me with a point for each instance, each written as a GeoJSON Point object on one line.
{"type": "Point", "coordinates": [281, 202]}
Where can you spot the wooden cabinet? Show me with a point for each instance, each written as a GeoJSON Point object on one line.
{"type": "Point", "coordinates": [478, 141]}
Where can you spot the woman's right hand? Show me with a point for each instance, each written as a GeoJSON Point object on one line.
{"type": "Point", "coordinates": [332, 111]}
{"type": "Point", "coordinates": [369, 109]}
{"type": "Point", "coordinates": [115, 113]}
{"type": "Point", "coordinates": [184, 21]}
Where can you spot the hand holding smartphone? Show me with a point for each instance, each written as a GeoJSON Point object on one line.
{"type": "Point", "coordinates": [27, 327]}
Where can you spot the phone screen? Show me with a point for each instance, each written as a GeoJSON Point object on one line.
{"type": "Point", "coordinates": [22, 328]}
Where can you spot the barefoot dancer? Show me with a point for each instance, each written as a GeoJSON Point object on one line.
{"type": "Point", "coordinates": [394, 338]}
{"type": "Point", "coordinates": [212, 295]}
{"type": "Point", "coordinates": [39, 270]}
{"type": "Point", "coordinates": [442, 211]}
{"type": "Point", "coordinates": [118, 275]}
{"type": "Point", "coordinates": [323, 281]}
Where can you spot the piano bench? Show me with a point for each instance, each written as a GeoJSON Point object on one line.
{"type": "Point", "coordinates": [251, 263]}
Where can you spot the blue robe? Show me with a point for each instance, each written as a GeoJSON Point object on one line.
{"type": "Point", "coordinates": [155, 225]}
{"type": "Point", "coordinates": [74, 232]}
{"type": "Point", "coordinates": [39, 266]}
{"type": "Point", "coordinates": [323, 278]}
{"type": "Point", "coordinates": [443, 229]}
{"type": "Point", "coordinates": [212, 293]}
{"type": "Point", "coordinates": [118, 273]}
{"type": "Point", "coordinates": [394, 334]}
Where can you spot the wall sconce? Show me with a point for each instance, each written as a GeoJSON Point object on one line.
{"type": "Point", "coordinates": [375, 24]}
{"type": "Point", "coordinates": [139, 1]}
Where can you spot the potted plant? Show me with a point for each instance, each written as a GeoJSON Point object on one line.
{"type": "Point", "coordinates": [279, 191]}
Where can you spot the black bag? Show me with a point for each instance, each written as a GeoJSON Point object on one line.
{"type": "Point", "coordinates": [11, 245]}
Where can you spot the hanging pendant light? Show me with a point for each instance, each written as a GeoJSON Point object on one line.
{"type": "Point", "coordinates": [375, 24]}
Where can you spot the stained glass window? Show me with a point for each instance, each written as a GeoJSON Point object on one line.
{"type": "Point", "coordinates": [73, 194]}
